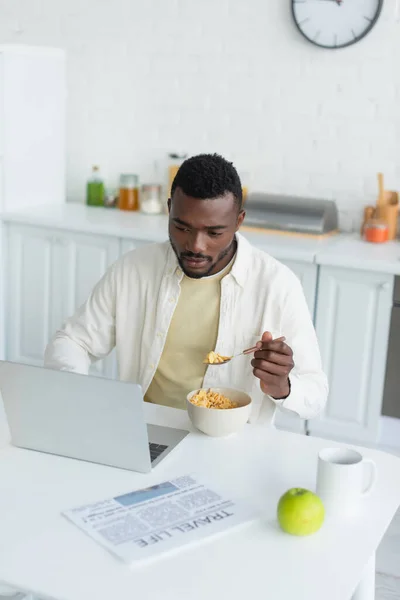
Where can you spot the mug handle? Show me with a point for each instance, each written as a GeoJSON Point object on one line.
{"type": "Point", "coordinates": [372, 479]}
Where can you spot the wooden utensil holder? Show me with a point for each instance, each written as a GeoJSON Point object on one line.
{"type": "Point", "coordinates": [387, 208]}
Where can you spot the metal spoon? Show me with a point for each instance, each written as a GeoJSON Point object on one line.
{"type": "Point", "coordinates": [248, 351]}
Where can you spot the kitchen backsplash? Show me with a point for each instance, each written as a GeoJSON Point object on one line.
{"type": "Point", "coordinates": [227, 76]}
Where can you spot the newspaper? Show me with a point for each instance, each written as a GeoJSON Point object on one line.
{"type": "Point", "coordinates": [146, 523]}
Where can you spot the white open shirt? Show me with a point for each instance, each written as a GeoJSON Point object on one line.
{"type": "Point", "coordinates": [132, 305]}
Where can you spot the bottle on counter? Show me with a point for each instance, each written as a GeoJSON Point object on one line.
{"type": "Point", "coordinates": [151, 199]}
{"type": "Point", "coordinates": [95, 190]}
{"type": "Point", "coordinates": [128, 192]}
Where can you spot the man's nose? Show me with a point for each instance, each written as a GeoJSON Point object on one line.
{"type": "Point", "coordinates": [197, 243]}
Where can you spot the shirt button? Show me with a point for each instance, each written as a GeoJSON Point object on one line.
{"type": "Point", "coordinates": [152, 365]}
{"type": "Point", "coordinates": [160, 334]}
{"type": "Point", "coordinates": [172, 300]}
{"type": "Point", "coordinates": [178, 272]}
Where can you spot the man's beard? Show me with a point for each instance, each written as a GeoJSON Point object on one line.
{"type": "Point", "coordinates": [212, 266]}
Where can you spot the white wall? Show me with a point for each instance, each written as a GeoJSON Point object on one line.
{"type": "Point", "coordinates": [232, 76]}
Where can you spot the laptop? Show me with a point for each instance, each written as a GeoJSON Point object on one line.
{"type": "Point", "coordinates": [84, 417]}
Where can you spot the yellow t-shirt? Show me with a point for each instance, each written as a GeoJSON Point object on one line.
{"type": "Point", "coordinates": [192, 334]}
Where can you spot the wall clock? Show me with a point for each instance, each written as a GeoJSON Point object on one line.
{"type": "Point", "coordinates": [335, 23]}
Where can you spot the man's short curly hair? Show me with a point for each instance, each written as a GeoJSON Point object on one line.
{"type": "Point", "coordinates": [208, 176]}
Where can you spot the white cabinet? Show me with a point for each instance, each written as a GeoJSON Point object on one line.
{"type": "Point", "coordinates": [126, 245]}
{"type": "Point", "coordinates": [89, 256]}
{"type": "Point", "coordinates": [30, 307]}
{"type": "Point", "coordinates": [289, 422]}
{"type": "Point", "coordinates": [307, 273]}
{"type": "Point", "coordinates": [2, 292]}
{"type": "Point", "coordinates": [352, 324]}
{"type": "Point", "coordinates": [49, 275]}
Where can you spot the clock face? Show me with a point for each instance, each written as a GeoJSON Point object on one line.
{"type": "Point", "coordinates": [335, 23]}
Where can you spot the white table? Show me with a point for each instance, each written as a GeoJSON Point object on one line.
{"type": "Point", "coordinates": [43, 553]}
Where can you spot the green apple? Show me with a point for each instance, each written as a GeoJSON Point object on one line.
{"type": "Point", "coordinates": [300, 512]}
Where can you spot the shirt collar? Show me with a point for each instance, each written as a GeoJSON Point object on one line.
{"type": "Point", "coordinates": [172, 266]}
{"type": "Point", "coordinates": [240, 268]}
{"type": "Point", "coordinates": [241, 265]}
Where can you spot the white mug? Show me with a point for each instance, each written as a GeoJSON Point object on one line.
{"type": "Point", "coordinates": [341, 480]}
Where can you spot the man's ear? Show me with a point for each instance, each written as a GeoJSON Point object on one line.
{"type": "Point", "coordinates": [240, 219]}
{"type": "Point", "coordinates": [169, 205]}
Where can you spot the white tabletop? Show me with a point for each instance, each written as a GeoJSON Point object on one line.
{"type": "Point", "coordinates": [42, 552]}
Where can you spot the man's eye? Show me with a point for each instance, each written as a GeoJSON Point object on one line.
{"type": "Point", "coordinates": [181, 228]}
{"type": "Point", "coordinates": [214, 234]}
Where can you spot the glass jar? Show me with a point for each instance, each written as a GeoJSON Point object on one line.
{"type": "Point", "coordinates": [376, 231]}
{"type": "Point", "coordinates": [128, 192]}
{"type": "Point", "coordinates": [111, 198]}
{"type": "Point", "coordinates": [151, 199]}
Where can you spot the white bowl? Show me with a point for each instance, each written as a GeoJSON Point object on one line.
{"type": "Point", "coordinates": [220, 422]}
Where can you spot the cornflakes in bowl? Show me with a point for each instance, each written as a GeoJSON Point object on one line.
{"type": "Point", "coordinates": [218, 411]}
{"type": "Point", "coordinates": [210, 399]}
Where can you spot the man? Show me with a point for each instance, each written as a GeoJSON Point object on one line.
{"type": "Point", "coordinates": [165, 306]}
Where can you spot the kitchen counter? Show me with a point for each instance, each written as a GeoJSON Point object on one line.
{"type": "Point", "coordinates": [342, 250]}
{"type": "Point", "coordinates": [153, 228]}
{"type": "Point", "coordinates": [97, 220]}
{"type": "Point", "coordinates": [349, 251]}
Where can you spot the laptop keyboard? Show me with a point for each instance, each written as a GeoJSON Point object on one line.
{"type": "Point", "coordinates": [156, 450]}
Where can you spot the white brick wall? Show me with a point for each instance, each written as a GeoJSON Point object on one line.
{"type": "Point", "coordinates": [232, 76]}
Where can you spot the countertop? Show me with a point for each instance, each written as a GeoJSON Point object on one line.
{"type": "Point", "coordinates": [341, 250]}
{"type": "Point", "coordinates": [352, 252]}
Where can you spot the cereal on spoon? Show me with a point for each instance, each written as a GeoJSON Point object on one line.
{"type": "Point", "coordinates": [213, 358]}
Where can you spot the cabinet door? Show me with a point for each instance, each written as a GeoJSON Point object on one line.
{"type": "Point", "coordinates": [126, 245]}
{"type": "Point", "coordinates": [49, 275]}
{"type": "Point", "coordinates": [3, 252]}
{"type": "Point", "coordinates": [30, 316]}
{"type": "Point", "coordinates": [89, 256]}
{"type": "Point", "coordinates": [352, 323]}
{"type": "Point", "coordinates": [307, 273]}
{"type": "Point", "coordinates": [2, 119]}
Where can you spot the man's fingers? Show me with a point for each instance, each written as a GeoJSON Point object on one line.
{"type": "Point", "coordinates": [276, 346]}
{"type": "Point", "coordinates": [267, 338]}
{"type": "Point", "coordinates": [267, 378]}
{"type": "Point", "coordinates": [271, 368]}
{"type": "Point", "coordinates": [275, 357]}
